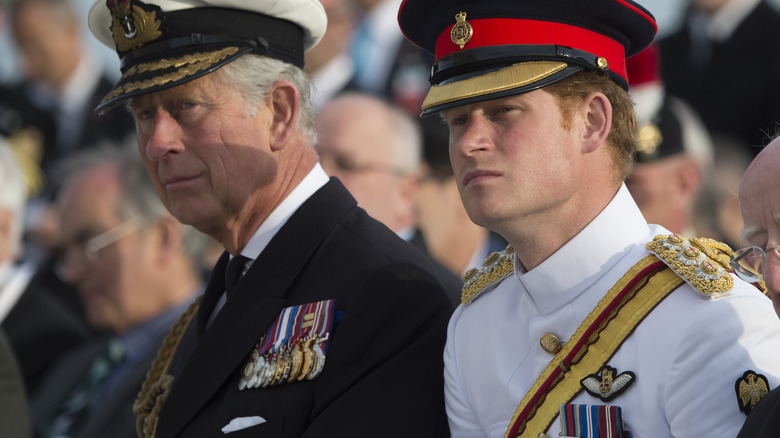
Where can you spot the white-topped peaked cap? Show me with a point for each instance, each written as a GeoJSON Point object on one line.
{"type": "Point", "coordinates": [164, 43]}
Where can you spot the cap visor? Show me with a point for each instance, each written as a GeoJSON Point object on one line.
{"type": "Point", "coordinates": [508, 80]}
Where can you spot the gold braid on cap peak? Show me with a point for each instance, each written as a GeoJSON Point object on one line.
{"type": "Point", "coordinates": [701, 262]}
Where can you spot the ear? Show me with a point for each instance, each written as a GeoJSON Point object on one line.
{"type": "Point", "coordinates": [285, 101]}
{"type": "Point", "coordinates": [596, 111]}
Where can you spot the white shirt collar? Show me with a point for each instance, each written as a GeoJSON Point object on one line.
{"type": "Point", "coordinates": [314, 180]}
{"type": "Point", "coordinates": [79, 87]}
{"type": "Point", "coordinates": [588, 256]}
{"type": "Point", "coordinates": [721, 25]}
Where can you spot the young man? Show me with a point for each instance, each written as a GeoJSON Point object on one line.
{"type": "Point", "coordinates": [337, 325]}
{"type": "Point", "coordinates": [591, 314]}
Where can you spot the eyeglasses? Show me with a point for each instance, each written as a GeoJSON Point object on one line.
{"type": "Point", "coordinates": [346, 163]}
{"type": "Point", "coordinates": [749, 263]}
{"type": "Point", "coordinates": [78, 253]}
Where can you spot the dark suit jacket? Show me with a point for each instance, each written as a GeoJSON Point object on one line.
{"type": "Point", "coordinates": [383, 376]}
{"type": "Point", "coordinates": [736, 92]}
{"type": "Point", "coordinates": [42, 330]}
{"type": "Point", "coordinates": [764, 419]}
{"type": "Point", "coordinates": [453, 284]}
{"type": "Point", "coordinates": [114, 417]}
{"type": "Point", "coordinates": [14, 413]}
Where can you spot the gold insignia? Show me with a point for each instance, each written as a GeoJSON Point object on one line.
{"type": "Point", "coordinates": [186, 66]}
{"type": "Point", "coordinates": [607, 385]}
{"type": "Point", "coordinates": [462, 31]}
{"type": "Point", "coordinates": [550, 343]}
{"type": "Point", "coordinates": [495, 268]}
{"type": "Point", "coordinates": [700, 262]}
{"type": "Point", "coordinates": [751, 388]}
{"type": "Point", "coordinates": [27, 146]}
{"type": "Point", "coordinates": [602, 63]}
{"type": "Point", "coordinates": [133, 30]}
{"type": "Point", "coordinates": [648, 138]}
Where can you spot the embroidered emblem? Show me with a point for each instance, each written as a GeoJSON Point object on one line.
{"type": "Point", "coordinates": [494, 269]}
{"type": "Point", "coordinates": [751, 388]}
{"type": "Point", "coordinates": [131, 26]}
{"type": "Point", "coordinates": [703, 263]}
{"type": "Point", "coordinates": [462, 31]}
{"type": "Point", "coordinates": [607, 385]}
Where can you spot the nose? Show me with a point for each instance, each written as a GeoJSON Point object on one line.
{"type": "Point", "coordinates": [473, 136]}
{"type": "Point", "coordinates": [160, 136]}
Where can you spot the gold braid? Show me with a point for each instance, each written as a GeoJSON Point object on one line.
{"type": "Point", "coordinates": [157, 385]}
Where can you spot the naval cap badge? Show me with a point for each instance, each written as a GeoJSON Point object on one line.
{"type": "Point", "coordinates": [462, 31]}
{"type": "Point", "coordinates": [132, 26]}
{"type": "Point", "coordinates": [607, 384]}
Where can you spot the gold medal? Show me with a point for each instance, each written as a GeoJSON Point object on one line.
{"type": "Point", "coordinates": [307, 359]}
{"type": "Point", "coordinates": [296, 359]}
{"type": "Point", "coordinates": [319, 360]}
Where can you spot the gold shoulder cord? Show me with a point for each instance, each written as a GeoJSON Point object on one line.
{"type": "Point", "coordinates": [158, 384]}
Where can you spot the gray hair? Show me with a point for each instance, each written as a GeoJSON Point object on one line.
{"type": "Point", "coordinates": [139, 198]}
{"type": "Point", "coordinates": [13, 193]}
{"type": "Point", "coordinates": [253, 76]}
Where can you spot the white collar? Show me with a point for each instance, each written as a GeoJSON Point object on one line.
{"type": "Point", "coordinates": [13, 282]}
{"type": "Point", "coordinates": [721, 25]}
{"type": "Point", "coordinates": [587, 256]}
{"type": "Point", "coordinates": [314, 180]}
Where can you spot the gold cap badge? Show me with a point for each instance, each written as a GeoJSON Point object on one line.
{"type": "Point", "coordinates": [462, 31]}
{"type": "Point", "coordinates": [131, 26]}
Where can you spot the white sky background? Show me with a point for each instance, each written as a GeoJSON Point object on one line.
{"type": "Point", "coordinates": [666, 12]}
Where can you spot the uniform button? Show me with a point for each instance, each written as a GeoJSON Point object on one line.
{"type": "Point", "coordinates": [550, 343]}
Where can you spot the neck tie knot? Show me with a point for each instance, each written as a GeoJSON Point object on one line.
{"type": "Point", "coordinates": [234, 271]}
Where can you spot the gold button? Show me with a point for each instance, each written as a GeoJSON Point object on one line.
{"type": "Point", "coordinates": [550, 343]}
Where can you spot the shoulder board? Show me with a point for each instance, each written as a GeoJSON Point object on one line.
{"type": "Point", "coordinates": [703, 263]}
{"type": "Point", "coordinates": [496, 267]}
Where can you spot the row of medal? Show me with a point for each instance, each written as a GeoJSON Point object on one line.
{"type": "Point", "coordinates": [292, 349]}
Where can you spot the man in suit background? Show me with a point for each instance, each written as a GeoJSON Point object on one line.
{"type": "Point", "coordinates": [318, 320]}
{"type": "Point", "coordinates": [727, 42]}
{"type": "Point", "coordinates": [62, 77]}
{"type": "Point", "coordinates": [375, 149]}
{"type": "Point", "coordinates": [136, 269]}
{"type": "Point", "coordinates": [30, 314]}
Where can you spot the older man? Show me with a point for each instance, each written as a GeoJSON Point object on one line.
{"type": "Point", "coordinates": [135, 268]}
{"type": "Point", "coordinates": [318, 320]}
{"type": "Point", "coordinates": [759, 202]}
{"type": "Point", "coordinates": [591, 314]}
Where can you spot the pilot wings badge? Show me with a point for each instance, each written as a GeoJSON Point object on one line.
{"type": "Point", "coordinates": [607, 385]}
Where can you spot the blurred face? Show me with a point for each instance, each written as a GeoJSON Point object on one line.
{"type": "Point", "coordinates": [113, 281]}
{"type": "Point", "coordinates": [48, 48]}
{"type": "Point", "coordinates": [354, 146]}
{"type": "Point", "coordinates": [655, 190]}
{"type": "Point", "coordinates": [210, 161]}
{"type": "Point", "coordinates": [512, 159]}
{"type": "Point", "coordinates": [759, 202]}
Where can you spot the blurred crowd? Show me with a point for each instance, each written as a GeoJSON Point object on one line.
{"type": "Point", "coordinates": [93, 270]}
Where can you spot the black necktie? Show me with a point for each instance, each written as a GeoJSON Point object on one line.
{"type": "Point", "coordinates": [234, 271]}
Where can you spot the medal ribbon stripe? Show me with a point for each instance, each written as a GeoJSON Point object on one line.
{"type": "Point", "coordinates": [625, 305]}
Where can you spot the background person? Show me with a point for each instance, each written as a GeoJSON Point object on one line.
{"type": "Point", "coordinates": [136, 269]}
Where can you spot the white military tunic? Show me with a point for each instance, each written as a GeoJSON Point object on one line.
{"type": "Point", "coordinates": [686, 355]}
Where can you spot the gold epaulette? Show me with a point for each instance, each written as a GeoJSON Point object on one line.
{"type": "Point", "coordinates": [701, 262]}
{"type": "Point", "coordinates": [495, 268]}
